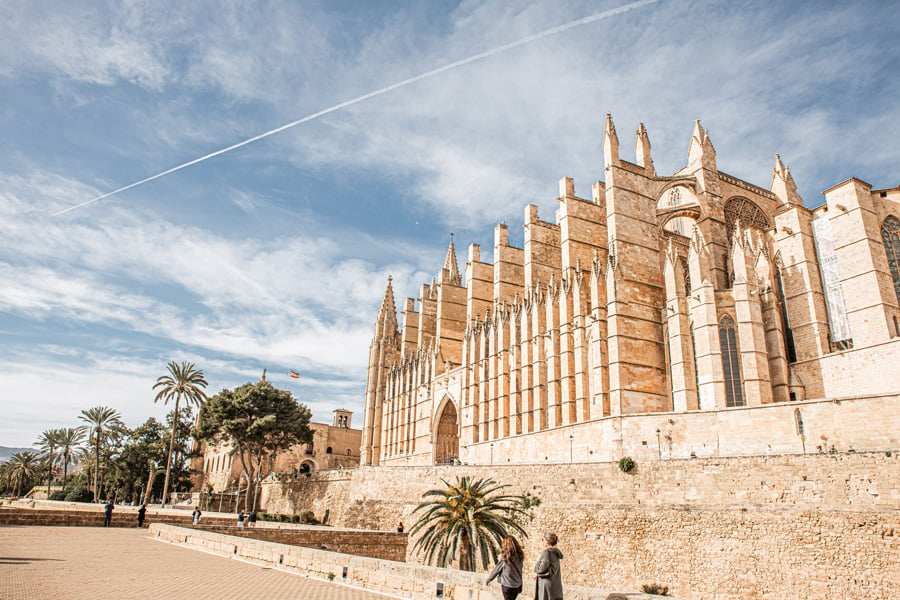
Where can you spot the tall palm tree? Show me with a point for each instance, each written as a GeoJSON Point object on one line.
{"type": "Point", "coordinates": [68, 442]}
{"type": "Point", "coordinates": [182, 381]}
{"type": "Point", "coordinates": [23, 466]}
{"type": "Point", "coordinates": [465, 516]}
{"type": "Point", "coordinates": [102, 422]}
{"type": "Point", "coordinates": [48, 442]}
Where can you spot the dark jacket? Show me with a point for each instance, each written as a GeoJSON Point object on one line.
{"type": "Point", "coordinates": [549, 581]}
{"type": "Point", "coordinates": [510, 574]}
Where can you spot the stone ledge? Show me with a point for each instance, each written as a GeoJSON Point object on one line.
{"type": "Point", "coordinates": [404, 580]}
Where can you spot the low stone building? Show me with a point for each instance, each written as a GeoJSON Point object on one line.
{"type": "Point", "coordinates": [694, 314]}
{"type": "Point", "coordinates": [334, 446]}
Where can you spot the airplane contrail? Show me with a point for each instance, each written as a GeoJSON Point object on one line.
{"type": "Point", "coordinates": [465, 61]}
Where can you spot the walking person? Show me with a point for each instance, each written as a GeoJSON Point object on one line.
{"type": "Point", "coordinates": [509, 568]}
{"type": "Point", "coordinates": [549, 579]}
{"type": "Point", "coordinates": [107, 513]}
{"type": "Point", "coordinates": [241, 519]}
{"type": "Point", "coordinates": [142, 511]}
{"type": "Point", "coordinates": [251, 519]}
{"type": "Point", "coordinates": [196, 516]}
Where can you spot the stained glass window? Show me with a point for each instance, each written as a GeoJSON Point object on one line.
{"type": "Point", "coordinates": [731, 365]}
{"type": "Point", "coordinates": [890, 234]}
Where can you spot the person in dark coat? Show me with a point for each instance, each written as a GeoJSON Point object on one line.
{"type": "Point", "coordinates": [549, 579]}
{"type": "Point", "coordinates": [509, 568]}
{"type": "Point", "coordinates": [251, 519]}
{"type": "Point", "coordinates": [142, 511]}
{"type": "Point", "coordinates": [241, 519]}
{"type": "Point", "coordinates": [107, 513]}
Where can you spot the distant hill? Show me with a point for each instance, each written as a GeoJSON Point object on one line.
{"type": "Point", "coordinates": [5, 452]}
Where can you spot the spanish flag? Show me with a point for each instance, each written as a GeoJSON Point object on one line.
{"type": "Point", "coordinates": [295, 374]}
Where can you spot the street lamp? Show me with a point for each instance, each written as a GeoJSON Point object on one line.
{"type": "Point", "coordinates": [492, 453]}
{"type": "Point", "coordinates": [571, 447]}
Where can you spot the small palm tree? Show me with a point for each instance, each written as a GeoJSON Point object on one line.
{"type": "Point", "coordinates": [69, 441]}
{"type": "Point", "coordinates": [102, 422]}
{"type": "Point", "coordinates": [465, 516]}
{"type": "Point", "coordinates": [182, 381]}
{"type": "Point", "coordinates": [22, 467]}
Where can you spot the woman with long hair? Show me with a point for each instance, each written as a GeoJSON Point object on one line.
{"type": "Point", "coordinates": [509, 568]}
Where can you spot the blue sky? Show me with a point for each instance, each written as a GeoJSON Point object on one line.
{"type": "Point", "coordinates": [275, 255]}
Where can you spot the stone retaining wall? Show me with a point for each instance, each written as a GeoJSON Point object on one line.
{"type": "Point", "coordinates": [92, 517]}
{"type": "Point", "coordinates": [403, 580]}
{"type": "Point", "coordinates": [374, 544]}
{"type": "Point", "coordinates": [823, 526]}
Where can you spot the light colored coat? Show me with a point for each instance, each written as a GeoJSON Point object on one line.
{"type": "Point", "coordinates": [549, 587]}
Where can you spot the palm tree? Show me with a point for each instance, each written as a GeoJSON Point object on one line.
{"type": "Point", "coordinates": [102, 422]}
{"type": "Point", "coordinates": [468, 514]}
{"type": "Point", "coordinates": [68, 443]}
{"type": "Point", "coordinates": [23, 466]}
{"type": "Point", "coordinates": [182, 381]}
{"type": "Point", "coordinates": [48, 442]}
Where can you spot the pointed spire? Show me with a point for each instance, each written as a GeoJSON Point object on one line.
{"type": "Point", "coordinates": [450, 272]}
{"type": "Point", "coordinates": [701, 149]}
{"type": "Point", "coordinates": [695, 150]}
{"type": "Point", "coordinates": [610, 143]}
{"type": "Point", "coordinates": [386, 324]}
{"type": "Point", "coordinates": [642, 150]}
{"type": "Point", "coordinates": [783, 184]}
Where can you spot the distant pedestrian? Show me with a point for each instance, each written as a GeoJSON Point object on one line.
{"type": "Point", "coordinates": [107, 513]}
{"type": "Point", "coordinates": [549, 579]}
{"type": "Point", "coordinates": [196, 516]}
{"type": "Point", "coordinates": [251, 519]}
{"type": "Point", "coordinates": [509, 568]}
{"type": "Point", "coordinates": [141, 512]}
{"type": "Point", "coordinates": [400, 527]}
{"type": "Point", "coordinates": [241, 519]}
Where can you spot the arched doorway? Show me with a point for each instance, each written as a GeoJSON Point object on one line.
{"type": "Point", "coordinates": [446, 441]}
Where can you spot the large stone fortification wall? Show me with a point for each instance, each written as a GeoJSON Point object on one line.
{"type": "Point", "coordinates": [779, 526]}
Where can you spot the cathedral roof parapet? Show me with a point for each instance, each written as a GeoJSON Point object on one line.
{"type": "Point", "coordinates": [746, 186]}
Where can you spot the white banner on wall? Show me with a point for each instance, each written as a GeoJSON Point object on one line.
{"type": "Point", "coordinates": [831, 279]}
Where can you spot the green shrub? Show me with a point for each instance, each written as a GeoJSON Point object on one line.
{"type": "Point", "coordinates": [308, 517]}
{"type": "Point", "coordinates": [59, 495]}
{"type": "Point", "coordinates": [331, 577]}
{"type": "Point", "coordinates": [80, 494]}
{"type": "Point", "coordinates": [656, 589]}
{"type": "Point", "coordinates": [295, 519]}
{"type": "Point", "coordinates": [627, 464]}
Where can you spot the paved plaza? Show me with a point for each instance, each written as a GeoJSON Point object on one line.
{"type": "Point", "coordinates": [86, 563]}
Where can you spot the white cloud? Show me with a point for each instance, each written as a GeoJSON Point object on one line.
{"type": "Point", "coordinates": [295, 299]}
{"type": "Point", "coordinates": [85, 44]}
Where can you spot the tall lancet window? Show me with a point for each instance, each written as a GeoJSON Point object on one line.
{"type": "Point", "coordinates": [731, 364]}
{"type": "Point", "coordinates": [890, 234]}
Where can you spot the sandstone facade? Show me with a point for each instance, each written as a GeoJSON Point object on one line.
{"type": "Point", "coordinates": [694, 314]}
{"type": "Point", "coordinates": [792, 527]}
